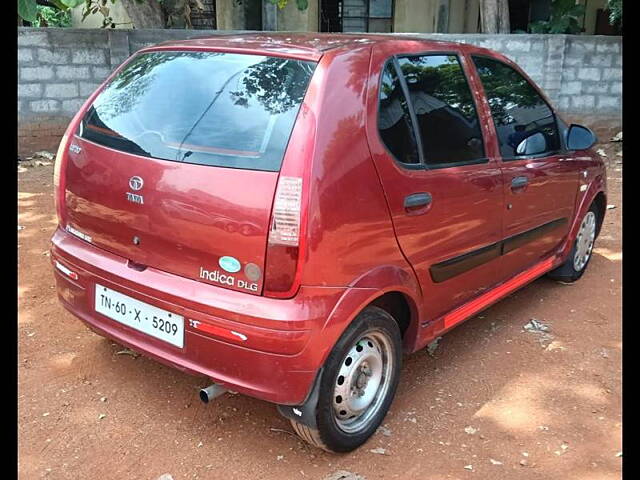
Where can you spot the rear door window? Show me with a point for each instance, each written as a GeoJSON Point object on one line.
{"type": "Point", "coordinates": [518, 110]}
{"type": "Point", "coordinates": [445, 110]}
{"type": "Point", "coordinates": [394, 119]}
{"type": "Point", "coordinates": [209, 108]}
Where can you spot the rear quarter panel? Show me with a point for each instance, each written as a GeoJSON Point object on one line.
{"type": "Point", "coordinates": [349, 228]}
{"type": "Point", "coordinates": [350, 237]}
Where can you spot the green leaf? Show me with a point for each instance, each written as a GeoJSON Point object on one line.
{"type": "Point", "coordinates": [72, 3]}
{"type": "Point", "coordinates": [539, 27]}
{"type": "Point", "coordinates": [27, 9]}
{"type": "Point", "coordinates": [58, 4]}
{"type": "Point", "coordinates": [302, 4]}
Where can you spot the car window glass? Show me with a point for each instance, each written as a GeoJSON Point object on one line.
{"type": "Point", "coordinates": [444, 107]}
{"type": "Point", "coordinates": [394, 120]}
{"type": "Point", "coordinates": [517, 109]}
{"type": "Point", "coordinates": [209, 108]}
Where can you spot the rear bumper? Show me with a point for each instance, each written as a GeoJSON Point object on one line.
{"type": "Point", "coordinates": [276, 357]}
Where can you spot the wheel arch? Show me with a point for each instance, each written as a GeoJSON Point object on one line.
{"type": "Point", "coordinates": [595, 194]}
{"type": "Point", "coordinates": [396, 299]}
{"type": "Point", "coordinates": [600, 201]}
{"type": "Point", "coordinates": [389, 287]}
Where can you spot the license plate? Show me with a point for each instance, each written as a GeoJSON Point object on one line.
{"type": "Point", "coordinates": [141, 316]}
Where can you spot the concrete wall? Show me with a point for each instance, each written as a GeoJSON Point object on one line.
{"type": "Point", "coordinates": [423, 16]}
{"type": "Point", "coordinates": [59, 68]}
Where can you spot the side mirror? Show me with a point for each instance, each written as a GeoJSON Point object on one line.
{"type": "Point", "coordinates": [580, 138]}
{"type": "Point", "coordinates": [532, 145]}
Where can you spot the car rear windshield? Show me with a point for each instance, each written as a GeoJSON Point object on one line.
{"type": "Point", "coordinates": [209, 108]}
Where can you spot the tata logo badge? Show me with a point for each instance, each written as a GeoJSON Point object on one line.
{"type": "Point", "coordinates": [135, 183]}
{"type": "Point", "coordinates": [229, 264]}
{"type": "Point", "coordinates": [74, 148]}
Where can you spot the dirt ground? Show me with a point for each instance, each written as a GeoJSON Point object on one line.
{"type": "Point", "coordinates": [493, 402]}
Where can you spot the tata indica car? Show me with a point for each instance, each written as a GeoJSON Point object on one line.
{"type": "Point", "coordinates": [287, 214]}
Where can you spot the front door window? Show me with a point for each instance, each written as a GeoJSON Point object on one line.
{"type": "Point", "coordinates": [519, 112]}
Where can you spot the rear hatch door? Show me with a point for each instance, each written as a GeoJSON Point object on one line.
{"type": "Point", "coordinates": [176, 162]}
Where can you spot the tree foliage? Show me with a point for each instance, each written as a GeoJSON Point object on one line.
{"type": "Point", "coordinates": [615, 12]}
{"type": "Point", "coordinates": [52, 17]}
{"type": "Point", "coordinates": [301, 4]}
{"type": "Point", "coordinates": [565, 18]}
{"type": "Point", "coordinates": [28, 9]}
{"type": "Point", "coordinates": [171, 13]}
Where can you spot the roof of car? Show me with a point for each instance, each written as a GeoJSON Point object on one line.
{"type": "Point", "coordinates": [304, 45]}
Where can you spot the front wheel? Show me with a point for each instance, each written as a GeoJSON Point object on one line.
{"type": "Point", "coordinates": [577, 261]}
{"type": "Point", "coordinates": [358, 384]}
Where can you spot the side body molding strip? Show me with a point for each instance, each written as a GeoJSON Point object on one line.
{"type": "Point", "coordinates": [455, 266]}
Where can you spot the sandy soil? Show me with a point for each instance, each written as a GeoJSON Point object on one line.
{"type": "Point", "coordinates": [543, 407]}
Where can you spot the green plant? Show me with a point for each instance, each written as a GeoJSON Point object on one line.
{"type": "Point", "coordinates": [29, 9]}
{"type": "Point", "coordinates": [565, 18]}
{"type": "Point", "coordinates": [302, 4]}
{"type": "Point", "coordinates": [52, 17]}
{"type": "Point", "coordinates": [615, 12]}
{"type": "Point", "coordinates": [94, 6]}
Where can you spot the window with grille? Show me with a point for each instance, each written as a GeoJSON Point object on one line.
{"type": "Point", "coordinates": [364, 15]}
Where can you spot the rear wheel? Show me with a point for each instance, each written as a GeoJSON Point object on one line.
{"type": "Point", "coordinates": [359, 382]}
{"type": "Point", "coordinates": [577, 261]}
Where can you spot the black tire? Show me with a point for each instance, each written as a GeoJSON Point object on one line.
{"type": "Point", "coordinates": [330, 435]}
{"type": "Point", "coordinates": [567, 272]}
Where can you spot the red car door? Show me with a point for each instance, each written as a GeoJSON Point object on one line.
{"type": "Point", "coordinates": [445, 196]}
{"type": "Point", "coordinates": [540, 183]}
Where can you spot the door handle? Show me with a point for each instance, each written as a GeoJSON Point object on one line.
{"type": "Point", "coordinates": [519, 182]}
{"type": "Point", "coordinates": [417, 200]}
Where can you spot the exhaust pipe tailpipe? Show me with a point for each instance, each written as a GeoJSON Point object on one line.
{"type": "Point", "coordinates": [211, 392]}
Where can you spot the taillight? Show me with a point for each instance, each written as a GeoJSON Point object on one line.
{"type": "Point", "coordinates": [58, 191]}
{"type": "Point", "coordinates": [283, 246]}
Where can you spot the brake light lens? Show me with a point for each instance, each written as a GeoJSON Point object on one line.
{"type": "Point", "coordinates": [285, 218]}
{"type": "Point", "coordinates": [57, 170]}
{"type": "Point", "coordinates": [283, 246]}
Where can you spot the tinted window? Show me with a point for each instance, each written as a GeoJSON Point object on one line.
{"type": "Point", "coordinates": [394, 121]}
{"type": "Point", "coordinates": [207, 108]}
{"type": "Point", "coordinates": [518, 110]}
{"type": "Point", "coordinates": [444, 109]}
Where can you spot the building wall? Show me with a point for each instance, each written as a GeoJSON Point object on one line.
{"type": "Point", "coordinates": [414, 16]}
{"type": "Point", "coordinates": [419, 16]}
{"type": "Point", "coordinates": [230, 15]}
{"type": "Point", "coordinates": [58, 68]}
{"type": "Point", "coordinates": [291, 19]}
{"type": "Point", "coordinates": [590, 14]}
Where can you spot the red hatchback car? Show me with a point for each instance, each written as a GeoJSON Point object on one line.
{"type": "Point", "coordinates": [287, 214]}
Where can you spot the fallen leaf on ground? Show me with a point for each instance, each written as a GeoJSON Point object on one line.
{"type": "Point", "coordinates": [343, 475]}
{"type": "Point", "coordinates": [126, 351]}
{"type": "Point", "coordinates": [432, 347]}
{"type": "Point", "coordinates": [379, 451]}
{"type": "Point", "coordinates": [536, 326]}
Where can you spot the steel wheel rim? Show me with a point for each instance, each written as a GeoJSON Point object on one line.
{"type": "Point", "coordinates": [363, 381]}
{"type": "Point", "coordinates": [584, 241]}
